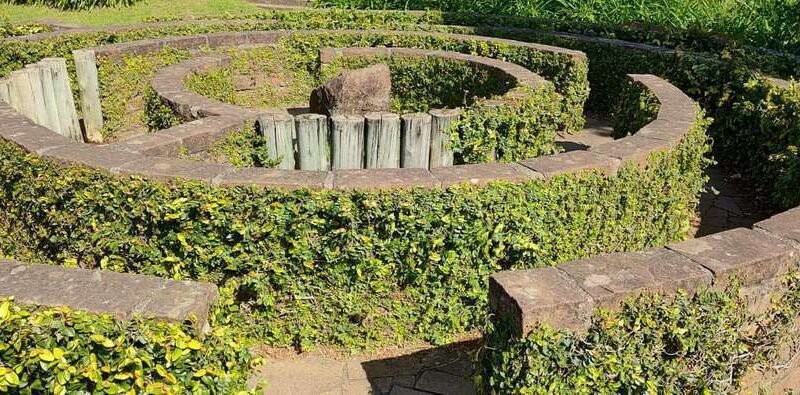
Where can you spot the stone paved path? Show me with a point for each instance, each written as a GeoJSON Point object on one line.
{"type": "Point", "coordinates": [447, 370]}
{"type": "Point", "coordinates": [424, 370]}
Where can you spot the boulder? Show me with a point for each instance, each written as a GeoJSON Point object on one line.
{"type": "Point", "coordinates": [355, 92]}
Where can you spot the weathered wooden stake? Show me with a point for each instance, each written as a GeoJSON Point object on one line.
{"type": "Point", "coordinates": [20, 92]}
{"type": "Point", "coordinates": [67, 113]}
{"type": "Point", "coordinates": [50, 104]}
{"type": "Point", "coordinates": [441, 152]}
{"type": "Point", "coordinates": [39, 111]}
{"type": "Point", "coordinates": [416, 141]}
{"type": "Point", "coordinates": [89, 87]}
{"type": "Point", "coordinates": [278, 130]}
{"type": "Point", "coordinates": [5, 95]}
{"type": "Point", "coordinates": [347, 135]}
{"type": "Point", "coordinates": [313, 142]}
{"type": "Point", "coordinates": [383, 140]}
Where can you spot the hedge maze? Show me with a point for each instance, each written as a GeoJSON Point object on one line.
{"type": "Point", "coordinates": [453, 212]}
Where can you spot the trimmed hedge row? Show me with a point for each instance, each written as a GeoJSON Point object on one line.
{"type": "Point", "coordinates": [352, 268]}
{"type": "Point", "coordinates": [687, 344]}
{"type": "Point", "coordinates": [59, 351]}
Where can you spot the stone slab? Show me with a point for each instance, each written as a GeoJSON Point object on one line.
{"type": "Point", "coordinates": [633, 148]}
{"type": "Point", "coordinates": [571, 162]}
{"type": "Point", "coordinates": [669, 131]}
{"type": "Point", "coordinates": [151, 144]}
{"type": "Point", "coordinates": [750, 255]}
{"type": "Point", "coordinates": [200, 135]}
{"type": "Point", "coordinates": [785, 225]}
{"type": "Point", "coordinates": [122, 295]}
{"type": "Point", "coordinates": [383, 179]}
{"type": "Point", "coordinates": [480, 174]}
{"type": "Point", "coordinates": [98, 157]}
{"type": "Point", "coordinates": [612, 278]}
{"type": "Point", "coordinates": [169, 168]}
{"type": "Point", "coordinates": [547, 295]}
{"type": "Point", "coordinates": [444, 383]}
{"type": "Point", "coordinates": [288, 179]}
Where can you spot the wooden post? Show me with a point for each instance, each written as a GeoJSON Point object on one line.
{"type": "Point", "coordinates": [441, 152]}
{"type": "Point", "coordinates": [278, 130]}
{"type": "Point", "coordinates": [89, 87]}
{"type": "Point", "coordinates": [39, 111]}
{"type": "Point", "coordinates": [50, 104]}
{"type": "Point", "coordinates": [5, 95]}
{"type": "Point", "coordinates": [21, 94]}
{"type": "Point", "coordinates": [416, 136]}
{"type": "Point", "coordinates": [347, 135]}
{"type": "Point", "coordinates": [313, 142]}
{"type": "Point", "coordinates": [67, 114]}
{"type": "Point", "coordinates": [383, 140]}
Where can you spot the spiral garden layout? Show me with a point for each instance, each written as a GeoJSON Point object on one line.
{"type": "Point", "coordinates": [170, 203]}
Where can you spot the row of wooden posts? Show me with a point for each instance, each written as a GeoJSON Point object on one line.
{"type": "Point", "coordinates": [43, 93]}
{"type": "Point", "coordinates": [374, 141]}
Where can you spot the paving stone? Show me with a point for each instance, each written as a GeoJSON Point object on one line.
{"type": "Point", "coordinates": [150, 144]}
{"type": "Point", "coordinates": [383, 179]}
{"type": "Point", "coordinates": [31, 137]}
{"type": "Point", "coordinates": [570, 162]}
{"type": "Point", "coordinates": [406, 380]}
{"type": "Point", "coordinates": [546, 295]}
{"type": "Point", "coordinates": [785, 225]}
{"type": "Point", "coordinates": [309, 375]}
{"type": "Point", "coordinates": [99, 157]}
{"type": "Point", "coordinates": [399, 390]}
{"type": "Point", "coordinates": [670, 131]}
{"type": "Point", "coordinates": [120, 294]}
{"type": "Point", "coordinates": [479, 174]}
{"type": "Point", "coordinates": [287, 179]}
{"type": "Point", "coordinates": [199, 135]}
{"type": "Point", "coordinates": [751, 255]}
{"type": "Point", "coordinates": [461, 367]}
{"type": "Point", "coordinates": [612, 278]}
{"type": "Point", "coordinates": [445, 383]}
{"type": "Point", "coordinates": [636, 149]}
{"type": "Point", "coordinates": [171, 168]}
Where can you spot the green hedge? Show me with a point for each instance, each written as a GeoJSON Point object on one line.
{"type": "Point", "coordinates": [636, 108]}
{"type": "Point", "coordinates": [356, 269]}
{"type": "Point", "coordinates": [59, 351]}
{"type": "Point", "coordinates": [700, 344]}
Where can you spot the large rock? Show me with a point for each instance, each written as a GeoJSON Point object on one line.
{"type": "Point", "coordinates": [355, 92]}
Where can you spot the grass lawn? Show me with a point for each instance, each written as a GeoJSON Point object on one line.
{"type": "Point", "coordinates": [137, 13]}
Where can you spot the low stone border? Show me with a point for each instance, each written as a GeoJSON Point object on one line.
{"type": "Point", "coordinates": [122, 295]}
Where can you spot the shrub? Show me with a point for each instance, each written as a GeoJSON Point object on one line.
{"type": "Point", "coordinates": [688, 344]}
{"type": "Point", "coordinates": [636, 108]}
{"type": "Point", "coordinates": [59, 351]}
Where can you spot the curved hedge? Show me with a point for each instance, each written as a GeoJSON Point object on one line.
{"type": "Point", "coordinates": [353, 268]}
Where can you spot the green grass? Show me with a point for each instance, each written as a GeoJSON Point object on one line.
{"type": "Point", "coordinates": [141, 12]}
{"type": "Point", "coordinates": [771, 23]}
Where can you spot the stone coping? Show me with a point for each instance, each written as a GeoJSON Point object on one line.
{"type": "Point", "coordinates": [122, 295]}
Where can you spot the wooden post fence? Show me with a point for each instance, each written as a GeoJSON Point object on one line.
{"type": "Point", "coordinates": [89, 87]}
{"type": "Point", "coordinates": [416, 136]}
{"type": "Point", "coordinates": [441, 152]}
{"type": "Point", "coordinates": [383, 140]}
{"type": "Point", "coordinates": [347, 136]}
{"type": "Point", "coordinates": [278, 131]}
{"type": "Point", "coordinates": [69, 125]}
{"type": "Point", "coordinates": [313, 142]}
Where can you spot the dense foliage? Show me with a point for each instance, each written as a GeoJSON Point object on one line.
{"type": "Point", "coordinates": [350, 268]}
{"type": "Point", "coordinates": [636, 107]}
{"type": "Point", "coordinates": [11, 30]}
{"type": "Point", "coordinates": [59, 351]}
{"type": "Point", "coordinates": [75, 4]}
{"type": "Point", "coordinates": [766, 23]}
{"type": "Point", "coordinates": [688, 344]}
